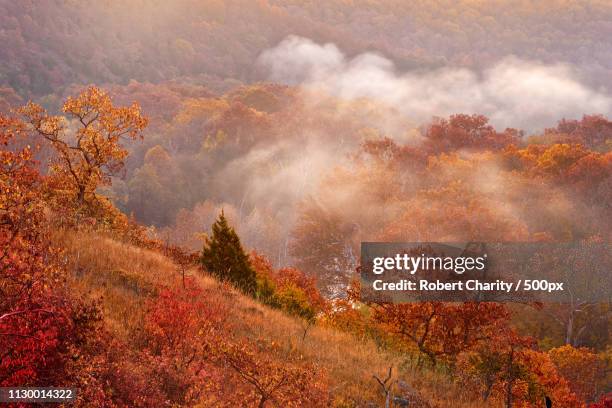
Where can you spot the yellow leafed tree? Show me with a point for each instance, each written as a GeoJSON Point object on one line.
{"type": "Point", "coordinates": [87, 141]}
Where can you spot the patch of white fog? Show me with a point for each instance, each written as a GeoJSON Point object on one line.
{"type": "Point", "coordinates": [513, 92]}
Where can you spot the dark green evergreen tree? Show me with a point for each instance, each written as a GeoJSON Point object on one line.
{"type": "Point", "coordinates": [224, 257]}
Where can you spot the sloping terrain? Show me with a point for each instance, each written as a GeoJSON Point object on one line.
{"type": "Point", "coordinates": [122, 276]}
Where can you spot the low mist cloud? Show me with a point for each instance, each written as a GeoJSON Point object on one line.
{"type": "Point", "coordinates": [512, 93]}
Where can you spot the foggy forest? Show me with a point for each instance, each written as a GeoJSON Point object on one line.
{"type": "Point", "coordinates": [185, 187]}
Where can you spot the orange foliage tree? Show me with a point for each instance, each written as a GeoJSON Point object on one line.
{"type": "Point", "coordinates": [507, 368]}
{"type": "Point", "coordinates": [87, 142]}
{"type": "Point", "coordinates": [591, 130]}
{"type": "Point", "coordinates": [465, 132]}
{"type": "Point", "coordinates": [440, 330]}
{"type": "Point", "coordinates": [580, 367]}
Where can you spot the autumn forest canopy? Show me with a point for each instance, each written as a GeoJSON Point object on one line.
{"type": "Point", "coordinates": [184, 188]}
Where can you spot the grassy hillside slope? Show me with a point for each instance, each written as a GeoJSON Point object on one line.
{"type": "Point", "coordinates": [122, 277]}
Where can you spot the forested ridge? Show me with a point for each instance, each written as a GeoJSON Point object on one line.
{"type": "Point", "coordinates": [51, 44]}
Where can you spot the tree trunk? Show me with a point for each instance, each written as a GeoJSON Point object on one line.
{"type": "Point", "coordinates": [487, 392]}
{"type": "Point", "coordinates": [510, 380]}
{"type": "Point", "coordinates": [569, 328]}
{"type": "Point", "coordinates": [509, 394]}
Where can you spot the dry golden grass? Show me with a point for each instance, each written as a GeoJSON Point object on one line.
{"type": "Point", "coordinates": [123, 276]}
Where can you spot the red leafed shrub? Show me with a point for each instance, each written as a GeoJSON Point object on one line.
{"type": "Point", "coordinates": [32, 319]}
{"type": "Point", "coordinates": [183, 329]}
{"type": "Point", "coordinates": [47, 338]}
{"type": "Point", "coordinates": [604, 402]}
